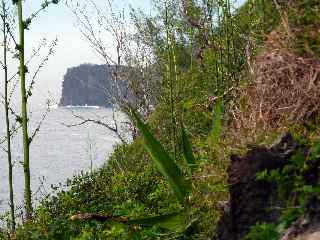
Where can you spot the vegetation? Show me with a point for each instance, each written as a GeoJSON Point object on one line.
{"type": "Point", "coordinates": [225, 78]}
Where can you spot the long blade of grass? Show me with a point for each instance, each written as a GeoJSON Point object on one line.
{"type": "Point", "coordinates": [175, 221]}
{"type": "Point", "coordinates": [187, 149]}
{"type": "Point", "coordinates": [217, 123]}
{"type": "Point", "coordinates": [163, 161]}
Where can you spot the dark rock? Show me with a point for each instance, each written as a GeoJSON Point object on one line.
{"type": "Point", "coordinates": [253, 201]}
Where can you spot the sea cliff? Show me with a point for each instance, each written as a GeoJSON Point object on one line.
{"type": "Point", "coordinates": [88, 84]}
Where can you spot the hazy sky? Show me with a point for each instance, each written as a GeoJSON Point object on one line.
{"type": "Point", "coordinates": [72, 49]}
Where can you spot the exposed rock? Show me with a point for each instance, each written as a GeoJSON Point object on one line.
{"type": "Point", "coordinates": [90, 84]}
{"type": "Point", "coordinates": [253, 201]}
{"type": "Point", "coordinates": [310, 233]}
{"type": "Point", "coordinates": [308, 226]}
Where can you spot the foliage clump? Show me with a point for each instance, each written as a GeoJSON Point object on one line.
{"type": "Point", "coordinates": [282, 87]}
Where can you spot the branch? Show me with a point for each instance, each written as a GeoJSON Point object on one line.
{"type": "Point", "coordinates": [200, 24]}
{"type": "Point", "coordinates": [36, 13]}
{"type": "Point", "coordinates": [36, 51]}
{"type": "Point", "coordinates": [11, 34]}
{"type": "Point", "coordinates": [9, 108]}
{"type": "Point", "coordinates": [13, 131]}
{"type": "Point", "coordinates": [98, 122]}
{"type": "Point", "coordinates": [1, 63]}
{"type": "Point", "coordinates": [14, 87]}
{"type": "Point", "coordinates": [40, 123]}
{"type": "Point", "coordinates": [40, 66]}
{"type": "Point", "coordinates": [41, 191]}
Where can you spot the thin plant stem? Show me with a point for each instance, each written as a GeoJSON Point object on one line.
{"type": "Point", "coordinates": [170, 80]}
{"type": "Point", "coordinates": [24, 116]}
{"type": "Point", "coordinates": [6, 105]}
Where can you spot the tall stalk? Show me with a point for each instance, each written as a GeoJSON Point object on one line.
{"type": "Point", "coordinates": [170, 81]}
{"type": "Point", "coordinates": [24, 115]}
{"type": "Point", "coordinates": [6, 106]}
{"type": "Point", "coordinates": [221, 63]}
{"type": "Point", "coordinates": [227, 36]}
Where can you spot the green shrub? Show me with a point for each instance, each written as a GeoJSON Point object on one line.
{"type": "Point", "coordinates": [263, 231]}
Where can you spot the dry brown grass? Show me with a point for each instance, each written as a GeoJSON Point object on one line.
{"type": "Point", "coordinates": [283, 89]}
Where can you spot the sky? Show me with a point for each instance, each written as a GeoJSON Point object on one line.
{"type": "Point", "coordinates": [72, 50]}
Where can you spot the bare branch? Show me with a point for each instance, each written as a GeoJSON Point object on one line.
{"type": "Point", "coordinates": [41, 65]}
{"type": "Point", "coordinates": [36, 51]}
{"type": "Point", "coordinates": [198, 23]}
{"type": "Point", "coordinates": [84, 121]}
{"type": "Point", "coordinates": [1, 63]}
{"type": "Point", "coordinates": [13, 131]}
{"type": "Point", "coordinates": [40, 123]}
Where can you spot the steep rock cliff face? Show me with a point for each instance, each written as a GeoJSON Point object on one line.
{"type": "Point", "coordinates": [88, 84]}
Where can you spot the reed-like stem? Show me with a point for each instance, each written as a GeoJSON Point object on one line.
{"type": "Point", "coordinates": [24, 116]}
{"type": "Point", "coordinates": [170, 80]}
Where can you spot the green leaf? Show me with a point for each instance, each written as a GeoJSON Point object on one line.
{"type": "Point", "coordinates": [315, 150]}
{"type": "Point", "coordinates": [188, 104]}
{"type": "Point", "coordinates": [187, 149]}
{"type": "Point", "coordinates": [163, 161]}
{"type": "Point", "coordinates": [217, 123]}
{"type": "Point", "coordinates": [174, 221]}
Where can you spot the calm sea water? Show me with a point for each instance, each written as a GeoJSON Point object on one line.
{"type": "Point", "coordinates": [58, 152]}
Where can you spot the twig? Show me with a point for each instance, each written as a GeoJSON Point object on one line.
{"type": "Point", "coordinates": [40, 123]}
{"type": "Point", "coordinates": [84, 121]}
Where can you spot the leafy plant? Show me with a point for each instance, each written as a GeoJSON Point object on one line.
{"type": "Point", "coordinates": [263, 231]}
{"type": "Point", "coordinates": [217, 123]}
{"type": "Point", "coordinates": [169, 169]}
{"type": "Point", "coordinates": [187, 149]}
{"type": "Point", "coordinates": [163, 161]}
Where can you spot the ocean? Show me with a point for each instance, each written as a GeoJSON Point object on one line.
{"type": "Point", "coordinates": [58, 152]}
